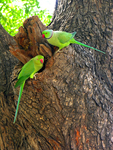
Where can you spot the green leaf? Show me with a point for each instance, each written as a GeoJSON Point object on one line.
{"type": "Point", "coordinates": [12, 14]}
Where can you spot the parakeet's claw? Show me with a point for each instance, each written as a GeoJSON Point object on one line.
{"type": "Point", "coordinates": [34, 76]}
{"type": "Point", "coordinates": [58, 51]}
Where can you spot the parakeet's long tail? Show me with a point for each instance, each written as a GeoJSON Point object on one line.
{"type": "Point", "coordinates": [20, 94]}
{"type": "Point", "coordinates": [79, 43]}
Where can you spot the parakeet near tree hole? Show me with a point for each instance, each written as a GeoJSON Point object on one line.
{"type": "Point", "coordinates": [28, 70]}
{"type": "Point", "coordinates": [62, 39]}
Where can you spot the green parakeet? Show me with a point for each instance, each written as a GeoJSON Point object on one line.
{"type": "Point", "coordinates": [28, 70]}
{"type": "Point", "coordinates": [62, 39]}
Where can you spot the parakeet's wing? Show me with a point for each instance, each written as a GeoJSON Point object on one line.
{"type": "Point", "coordinates": [25, 73]}
{"type": "Point", "coordinates": [21, 80]}
{"type": "Point", "coordinates": [64, 37]}
{"type": "Point", "coordinates": [27, 69]}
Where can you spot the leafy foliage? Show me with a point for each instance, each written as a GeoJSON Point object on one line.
{"type": "Point", "coordinates": [13, 13]}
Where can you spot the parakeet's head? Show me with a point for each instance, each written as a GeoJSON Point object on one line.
{"type": "Point", "coordinates": [39, 59]}
{"type": "Point", "coordinates": [47, 34]}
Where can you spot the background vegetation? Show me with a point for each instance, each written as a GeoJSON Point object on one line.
{"type": "Point", "coordinates": [13, 13]}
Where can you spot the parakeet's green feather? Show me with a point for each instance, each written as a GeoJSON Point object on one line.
{"type": "Point", "coordinates": [20, 94]}
{"type": "Point", "coordinates": [79, 43]}
{"type": "Point", "coordinates": [62, 39]}
{"type": "Point", "coordinates": [25, 73]}
{"type": "Point", "coordinates": [28, 70]}
{"type": "Point", "coordinates": [21, 80]}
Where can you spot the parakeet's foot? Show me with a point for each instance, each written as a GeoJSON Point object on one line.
{"type": "Point", "coordinates": [34, 76]}
{"type": "Point", "coordinates": [58, 51]}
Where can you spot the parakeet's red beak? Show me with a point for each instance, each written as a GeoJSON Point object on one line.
{"type": "Point", "coordinates": [43, 36]}
{"type": "Point", "coordinates": [41, 60]}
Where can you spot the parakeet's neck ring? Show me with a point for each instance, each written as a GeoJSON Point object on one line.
{"type": "Point", "coordinates": [50, 35]}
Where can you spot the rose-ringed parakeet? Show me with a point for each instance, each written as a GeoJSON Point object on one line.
{"type": "Point", "coordinates": [62, 39]}
{"type": "Point", "coordinates": [28, 70]}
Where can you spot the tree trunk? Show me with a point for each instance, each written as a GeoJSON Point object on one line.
{"type": "Point", "coordinates": [70, 104]}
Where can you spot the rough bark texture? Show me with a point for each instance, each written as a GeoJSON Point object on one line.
{"type": "Point", "coordinates": [70, 104]}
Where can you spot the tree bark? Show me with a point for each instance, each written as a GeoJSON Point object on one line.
{"type": "Point", "coordinates": [70, 104]}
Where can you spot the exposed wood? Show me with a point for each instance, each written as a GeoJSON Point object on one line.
{"type": "Point", "coordinates": [28, 41]}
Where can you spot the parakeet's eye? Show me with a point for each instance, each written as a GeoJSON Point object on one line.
{"type": "Point", "coordinates": [46, 32]}
{"type": "Point", "coordinates": [37, 58]}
